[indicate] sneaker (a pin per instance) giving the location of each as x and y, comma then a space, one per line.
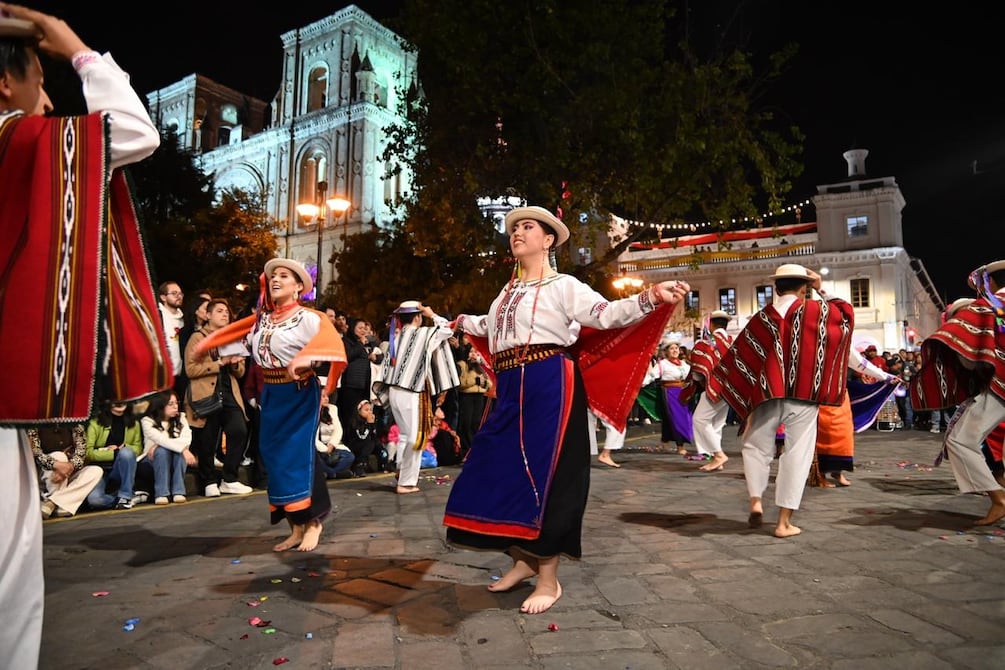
48, 509
179, 499
123, 503
62, 513
235, 487
140, 497
647, 421
161, 500
212, 491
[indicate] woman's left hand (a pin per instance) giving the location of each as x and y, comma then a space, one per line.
671, 291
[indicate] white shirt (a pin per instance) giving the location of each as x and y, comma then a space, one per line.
174, 321
543, 312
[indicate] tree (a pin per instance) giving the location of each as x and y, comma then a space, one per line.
597, 107
194, 235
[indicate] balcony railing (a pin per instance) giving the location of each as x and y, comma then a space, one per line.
718, 257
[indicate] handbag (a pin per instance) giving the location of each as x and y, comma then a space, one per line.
209, 405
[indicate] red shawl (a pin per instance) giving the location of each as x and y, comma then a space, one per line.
612, 363
77, 307
961, 359
803, 356
704, 357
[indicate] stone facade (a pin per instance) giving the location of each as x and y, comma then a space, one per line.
857, 238
343, 78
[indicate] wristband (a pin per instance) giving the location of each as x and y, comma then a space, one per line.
84, 58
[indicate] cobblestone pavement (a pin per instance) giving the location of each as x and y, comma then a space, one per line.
888, 572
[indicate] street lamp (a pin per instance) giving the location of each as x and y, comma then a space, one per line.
318, 212
627, 285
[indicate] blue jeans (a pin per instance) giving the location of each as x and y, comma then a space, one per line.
339, 460
119, 477
169, 473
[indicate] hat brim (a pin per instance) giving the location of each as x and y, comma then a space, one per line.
11, 27
296, 268
541, 215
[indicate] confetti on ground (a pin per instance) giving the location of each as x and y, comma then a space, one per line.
263, 624
244, 637
254, 621
130, 624
264, 598
295, 580
254, 603
553, 627
268, 631
359, 495
313, 574
309, 636
100, 594
235, 561
373, 534
276, 581
280, 660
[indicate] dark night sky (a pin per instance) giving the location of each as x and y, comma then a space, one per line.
918, 88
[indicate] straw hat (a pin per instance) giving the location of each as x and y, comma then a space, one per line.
541, 215
293, 266
791, 271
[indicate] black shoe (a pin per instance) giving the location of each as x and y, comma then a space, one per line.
359, 470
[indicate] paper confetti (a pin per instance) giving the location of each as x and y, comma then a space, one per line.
309, 636
268, 631
276, 581
280, 660
235, 561
553, 627
100, 594
254, 603
254, 621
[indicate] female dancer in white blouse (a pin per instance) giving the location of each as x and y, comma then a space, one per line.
675, 417
285, 339
524, 484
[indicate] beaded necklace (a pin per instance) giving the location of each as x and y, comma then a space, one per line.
277, 313
521, 359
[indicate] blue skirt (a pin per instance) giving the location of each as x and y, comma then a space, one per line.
298, 490
533, 497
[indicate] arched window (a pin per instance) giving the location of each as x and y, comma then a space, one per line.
317, 88
313, 169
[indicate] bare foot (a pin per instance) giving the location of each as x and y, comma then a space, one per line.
311, 536
541, 599
295, 538
407, 489
718, 460
520, 571
995, 513
607, 460
787, 530
840, 479
682, 451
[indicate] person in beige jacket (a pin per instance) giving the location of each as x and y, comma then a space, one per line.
210, 373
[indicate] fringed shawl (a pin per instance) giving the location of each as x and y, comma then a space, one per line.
802, 356
326, 345
78, 315
962, 358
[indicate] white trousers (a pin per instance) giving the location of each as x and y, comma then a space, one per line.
22, 584
405, 409
965, 437
800, 419
613, 439
707, 423
69, 495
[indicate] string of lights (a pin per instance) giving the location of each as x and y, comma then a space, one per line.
705, 225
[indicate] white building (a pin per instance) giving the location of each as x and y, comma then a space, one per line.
342, 81
857, 243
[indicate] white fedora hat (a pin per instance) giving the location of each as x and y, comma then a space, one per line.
791, 271
541, 215
720, 314
293, 266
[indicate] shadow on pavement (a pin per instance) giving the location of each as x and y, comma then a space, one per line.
913, 519
693, 525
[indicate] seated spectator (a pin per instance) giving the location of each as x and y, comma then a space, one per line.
166, 442
59, 451
114, 442
364, 440
336, 458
